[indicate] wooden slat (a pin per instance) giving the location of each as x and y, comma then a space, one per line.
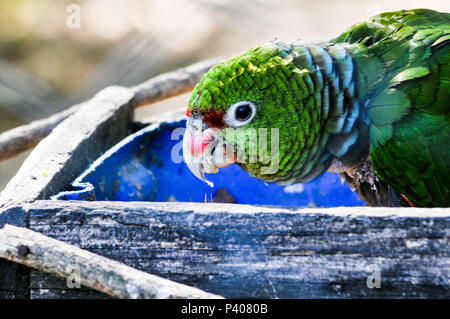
253, 251
61, 259
99, 123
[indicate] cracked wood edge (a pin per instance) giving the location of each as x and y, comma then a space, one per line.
52, 256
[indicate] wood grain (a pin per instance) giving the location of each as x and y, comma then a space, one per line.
52, 256
260, 252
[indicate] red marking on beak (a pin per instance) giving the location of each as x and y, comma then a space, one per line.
188, 113
198, 142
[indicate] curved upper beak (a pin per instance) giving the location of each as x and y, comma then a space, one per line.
204, 151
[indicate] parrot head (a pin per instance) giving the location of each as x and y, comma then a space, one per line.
256, 110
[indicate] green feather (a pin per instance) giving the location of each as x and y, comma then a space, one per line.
388, 107
410, 74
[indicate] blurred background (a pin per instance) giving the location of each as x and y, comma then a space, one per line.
56, 53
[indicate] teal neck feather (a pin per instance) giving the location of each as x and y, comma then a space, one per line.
333, 73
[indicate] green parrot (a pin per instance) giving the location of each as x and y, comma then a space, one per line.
372, 104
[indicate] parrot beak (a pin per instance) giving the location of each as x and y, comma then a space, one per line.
204, 151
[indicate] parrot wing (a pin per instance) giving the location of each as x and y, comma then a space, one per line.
408, 104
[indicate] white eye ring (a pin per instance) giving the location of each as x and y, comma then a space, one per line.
230, 117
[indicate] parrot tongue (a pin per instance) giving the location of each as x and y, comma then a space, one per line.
204, 152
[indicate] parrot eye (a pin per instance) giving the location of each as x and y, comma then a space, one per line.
243, 112
240, 113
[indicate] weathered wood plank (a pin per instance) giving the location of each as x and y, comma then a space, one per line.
45, 286
14, 280
66, 294
254, 251
80, 266
58, 159
79, 140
